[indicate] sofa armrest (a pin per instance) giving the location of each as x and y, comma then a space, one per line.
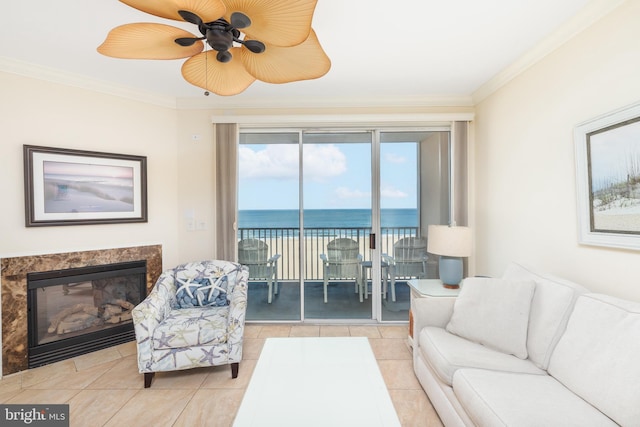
430, 312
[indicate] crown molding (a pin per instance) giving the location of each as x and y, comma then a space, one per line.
339, 120
52, 75
591, 13
316, 102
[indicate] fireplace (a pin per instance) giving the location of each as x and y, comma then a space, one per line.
80, 310
13, 284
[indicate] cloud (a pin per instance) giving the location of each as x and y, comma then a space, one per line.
275, 161
322, 161
394, 158
280, 161
390, 192
348, 194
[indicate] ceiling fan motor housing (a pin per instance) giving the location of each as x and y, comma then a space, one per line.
219, 36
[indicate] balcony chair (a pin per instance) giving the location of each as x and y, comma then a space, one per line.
193, 317
342, 261
254, 254
409, 260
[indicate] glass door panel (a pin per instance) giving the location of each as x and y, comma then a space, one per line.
336, 224
413, 171
269, 223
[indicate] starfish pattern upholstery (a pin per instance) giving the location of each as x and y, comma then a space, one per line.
171, 338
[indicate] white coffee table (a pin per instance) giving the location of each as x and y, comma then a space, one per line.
324, 382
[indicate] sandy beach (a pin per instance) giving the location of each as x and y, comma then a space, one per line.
288, 248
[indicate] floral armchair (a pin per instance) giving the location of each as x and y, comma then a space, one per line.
193, 317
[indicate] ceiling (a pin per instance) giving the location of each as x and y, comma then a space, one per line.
398, 53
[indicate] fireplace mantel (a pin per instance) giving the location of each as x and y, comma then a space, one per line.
14, 290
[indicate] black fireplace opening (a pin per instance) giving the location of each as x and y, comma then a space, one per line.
80, 310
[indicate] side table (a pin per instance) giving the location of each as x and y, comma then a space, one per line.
427, 288
367, 265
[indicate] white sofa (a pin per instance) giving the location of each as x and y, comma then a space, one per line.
529, 349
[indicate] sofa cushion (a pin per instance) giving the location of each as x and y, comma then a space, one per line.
192, 327
509, 399
598, 357
446, 353
551, 306
494, 312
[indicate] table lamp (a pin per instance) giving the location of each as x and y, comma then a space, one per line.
451, 243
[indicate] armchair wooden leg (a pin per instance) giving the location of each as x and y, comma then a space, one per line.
148, 377
234, 370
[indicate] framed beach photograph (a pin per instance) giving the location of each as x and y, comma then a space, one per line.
74, 187
608, 179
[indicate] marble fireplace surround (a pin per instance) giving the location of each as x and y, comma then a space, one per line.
14, 290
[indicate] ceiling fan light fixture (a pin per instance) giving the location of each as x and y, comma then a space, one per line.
190, 17
240, 20
254, 46
187, 41
224, 56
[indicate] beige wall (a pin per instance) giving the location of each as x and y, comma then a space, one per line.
41, 113
196, 189
525, 188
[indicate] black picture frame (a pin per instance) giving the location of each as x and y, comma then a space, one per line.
79, 187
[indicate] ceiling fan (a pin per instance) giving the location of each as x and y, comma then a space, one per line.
246, 40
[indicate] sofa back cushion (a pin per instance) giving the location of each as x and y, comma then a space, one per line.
495, 313
598, 357
551, 306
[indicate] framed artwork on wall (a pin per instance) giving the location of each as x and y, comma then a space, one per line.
608, 179
74, 187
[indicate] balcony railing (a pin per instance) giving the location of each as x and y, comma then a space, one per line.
286, 242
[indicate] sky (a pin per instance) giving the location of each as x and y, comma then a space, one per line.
336, 176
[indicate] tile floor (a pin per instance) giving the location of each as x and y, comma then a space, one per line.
105, 389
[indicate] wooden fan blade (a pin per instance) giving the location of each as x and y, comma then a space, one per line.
205, 71
208, 10
276, 22
288, 64
148, 41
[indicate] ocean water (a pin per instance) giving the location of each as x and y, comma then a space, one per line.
326, 218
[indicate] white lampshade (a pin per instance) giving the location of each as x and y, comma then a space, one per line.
449, 241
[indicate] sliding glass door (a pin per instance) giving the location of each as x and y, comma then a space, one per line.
338, 220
